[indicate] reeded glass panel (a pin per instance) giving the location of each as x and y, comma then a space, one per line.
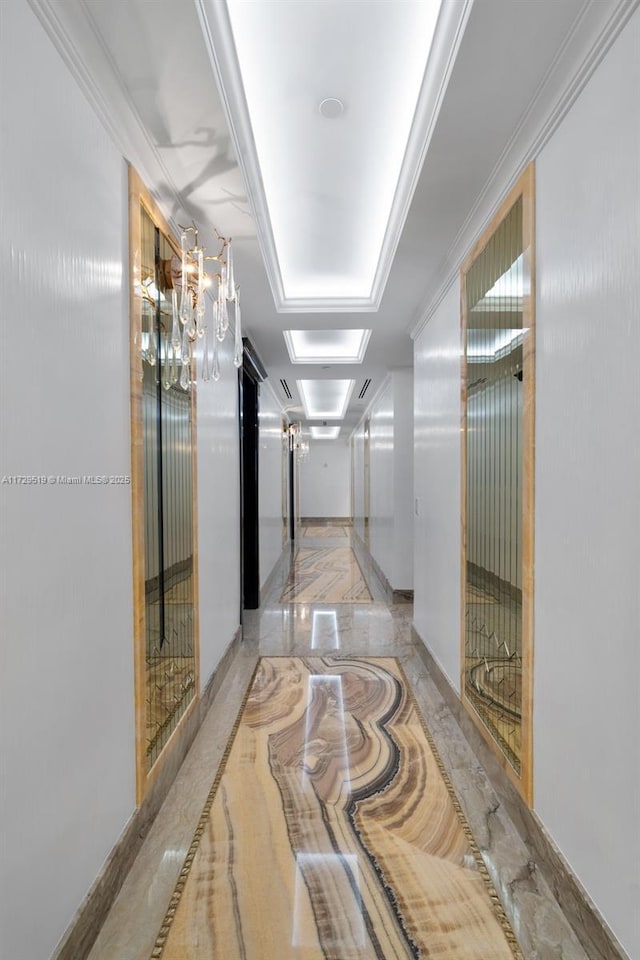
495, 289
168, 505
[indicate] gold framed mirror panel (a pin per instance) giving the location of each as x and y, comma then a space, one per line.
497, 508
164, 499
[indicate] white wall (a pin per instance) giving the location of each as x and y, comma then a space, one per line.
587, 600
66, 591
358, 480
381, 478
67, 726
391, 479
437, 485
587, 560
403, 511
270, 480
218, 512
325, 479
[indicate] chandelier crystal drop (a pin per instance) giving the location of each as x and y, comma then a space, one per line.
238, 348
216, 360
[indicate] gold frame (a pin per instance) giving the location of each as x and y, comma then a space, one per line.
525, 188
139, 197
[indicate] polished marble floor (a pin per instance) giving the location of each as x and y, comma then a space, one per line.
324, 633
332, 823
334, 530
326, 574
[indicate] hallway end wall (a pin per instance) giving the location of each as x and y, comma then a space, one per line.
325, 480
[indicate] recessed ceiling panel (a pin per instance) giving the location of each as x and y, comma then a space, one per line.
325, 398
326, 346
332, 105
324, 433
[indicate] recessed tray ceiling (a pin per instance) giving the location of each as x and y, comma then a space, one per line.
331, 146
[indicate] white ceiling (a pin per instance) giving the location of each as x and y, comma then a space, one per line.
330, 193
152, 61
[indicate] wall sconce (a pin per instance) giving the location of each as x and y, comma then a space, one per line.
188, 280
297, 445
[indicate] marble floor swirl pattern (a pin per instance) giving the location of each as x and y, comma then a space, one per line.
325, 530
325, 575
332, 832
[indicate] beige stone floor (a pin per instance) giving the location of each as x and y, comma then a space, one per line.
330, 530
325, 575
332, 833
308, 631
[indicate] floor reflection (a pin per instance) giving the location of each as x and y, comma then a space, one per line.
493, 660
325, 739
325, 574
332, 834
324, 630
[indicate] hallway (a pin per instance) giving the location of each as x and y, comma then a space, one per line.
472, 925
263, 286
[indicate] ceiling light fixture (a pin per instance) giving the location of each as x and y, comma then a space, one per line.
325, 398
326, 346
355, 179
324, 433
188, 281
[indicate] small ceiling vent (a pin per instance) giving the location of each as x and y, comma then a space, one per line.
365, 387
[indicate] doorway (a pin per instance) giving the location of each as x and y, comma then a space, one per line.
250, 376
250, 535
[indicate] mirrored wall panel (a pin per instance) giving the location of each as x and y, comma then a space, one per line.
164, 494
498, 476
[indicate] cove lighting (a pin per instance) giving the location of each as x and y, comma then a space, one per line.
324, 433
488, 346
326, 346
325, 398
331, 145
508, 290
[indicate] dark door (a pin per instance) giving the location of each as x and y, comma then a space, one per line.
249, 394
292, 500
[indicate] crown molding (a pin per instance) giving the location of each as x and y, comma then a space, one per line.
447, 39
214, 19
218, 34
75, 35
593, 33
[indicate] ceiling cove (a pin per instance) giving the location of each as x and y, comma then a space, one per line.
331, 132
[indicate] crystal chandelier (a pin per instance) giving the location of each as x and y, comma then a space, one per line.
188, 280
